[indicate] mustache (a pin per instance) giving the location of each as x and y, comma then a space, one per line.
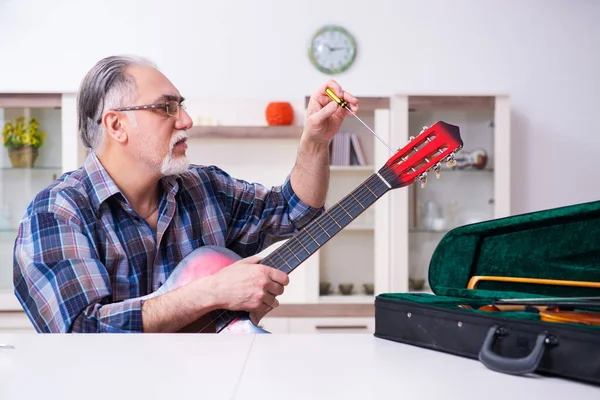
179, 136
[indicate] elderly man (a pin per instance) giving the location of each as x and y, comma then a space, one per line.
94, 244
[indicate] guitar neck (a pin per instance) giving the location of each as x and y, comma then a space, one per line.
320, 230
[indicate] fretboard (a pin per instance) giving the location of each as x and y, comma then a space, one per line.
320, 230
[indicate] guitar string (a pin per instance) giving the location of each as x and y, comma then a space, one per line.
363, 193
332, 218
294, 246
384, 171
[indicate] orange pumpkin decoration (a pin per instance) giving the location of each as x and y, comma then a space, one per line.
279, 113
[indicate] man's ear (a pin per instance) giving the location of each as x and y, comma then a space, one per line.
114, 126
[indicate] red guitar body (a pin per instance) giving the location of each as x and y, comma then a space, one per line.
410, 163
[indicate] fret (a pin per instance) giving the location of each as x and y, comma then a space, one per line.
333, 219
351, 194
308, 243
291, 250
287, 256
323, 229
311, 236
342, 207
280, 266
374, 195
295, 247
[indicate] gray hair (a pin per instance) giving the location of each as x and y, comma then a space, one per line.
106, 86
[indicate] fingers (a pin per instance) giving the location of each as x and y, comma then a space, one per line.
274, 288
320, 97
319, 94
270, 302
279, 276
319, 117
252, 260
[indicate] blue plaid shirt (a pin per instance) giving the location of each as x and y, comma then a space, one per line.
83, 257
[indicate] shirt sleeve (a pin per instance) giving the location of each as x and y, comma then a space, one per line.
258, 215
60, 282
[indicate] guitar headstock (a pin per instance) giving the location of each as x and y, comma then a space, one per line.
434, 145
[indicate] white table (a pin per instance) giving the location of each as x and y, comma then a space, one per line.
312, 366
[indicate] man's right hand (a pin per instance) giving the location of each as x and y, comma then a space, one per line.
250, 286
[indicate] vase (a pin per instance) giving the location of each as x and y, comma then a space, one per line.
279, 113
22, 156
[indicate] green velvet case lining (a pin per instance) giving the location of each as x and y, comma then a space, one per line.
561, 243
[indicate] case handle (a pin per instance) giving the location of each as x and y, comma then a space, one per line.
514, 366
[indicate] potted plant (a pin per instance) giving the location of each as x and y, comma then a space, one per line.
23, 138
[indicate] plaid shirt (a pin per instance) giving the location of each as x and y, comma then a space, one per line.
83, 257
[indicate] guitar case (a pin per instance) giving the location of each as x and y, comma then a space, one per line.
558, 244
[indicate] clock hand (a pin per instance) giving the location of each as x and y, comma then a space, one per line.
344, 105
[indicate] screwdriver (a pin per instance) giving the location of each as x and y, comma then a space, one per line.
344, 104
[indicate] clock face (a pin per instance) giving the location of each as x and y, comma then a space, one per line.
332, 49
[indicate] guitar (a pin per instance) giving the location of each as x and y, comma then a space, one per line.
433, 145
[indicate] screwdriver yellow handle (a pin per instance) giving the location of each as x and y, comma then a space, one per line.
335, 97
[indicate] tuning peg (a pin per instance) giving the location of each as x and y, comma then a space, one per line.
423, 178
424, 129
450, 161
436, 168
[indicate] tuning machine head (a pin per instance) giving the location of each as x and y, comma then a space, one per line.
436, 168
450, 161
423, 179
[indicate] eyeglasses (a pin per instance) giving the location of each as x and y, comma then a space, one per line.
170, 107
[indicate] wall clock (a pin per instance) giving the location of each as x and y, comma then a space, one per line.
332, 49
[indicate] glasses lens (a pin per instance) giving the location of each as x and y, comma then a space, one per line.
172, 107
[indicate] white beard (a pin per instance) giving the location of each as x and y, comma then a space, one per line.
175, 165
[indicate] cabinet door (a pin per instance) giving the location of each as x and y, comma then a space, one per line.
332, 325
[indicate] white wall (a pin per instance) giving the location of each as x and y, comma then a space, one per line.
543, 53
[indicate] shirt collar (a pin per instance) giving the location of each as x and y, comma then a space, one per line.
103, 187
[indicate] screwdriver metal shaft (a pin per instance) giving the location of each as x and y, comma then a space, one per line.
344, 105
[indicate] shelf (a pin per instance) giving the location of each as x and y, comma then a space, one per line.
30, 100
352, 298
30, 169
366, 103
430, 103
246, 132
